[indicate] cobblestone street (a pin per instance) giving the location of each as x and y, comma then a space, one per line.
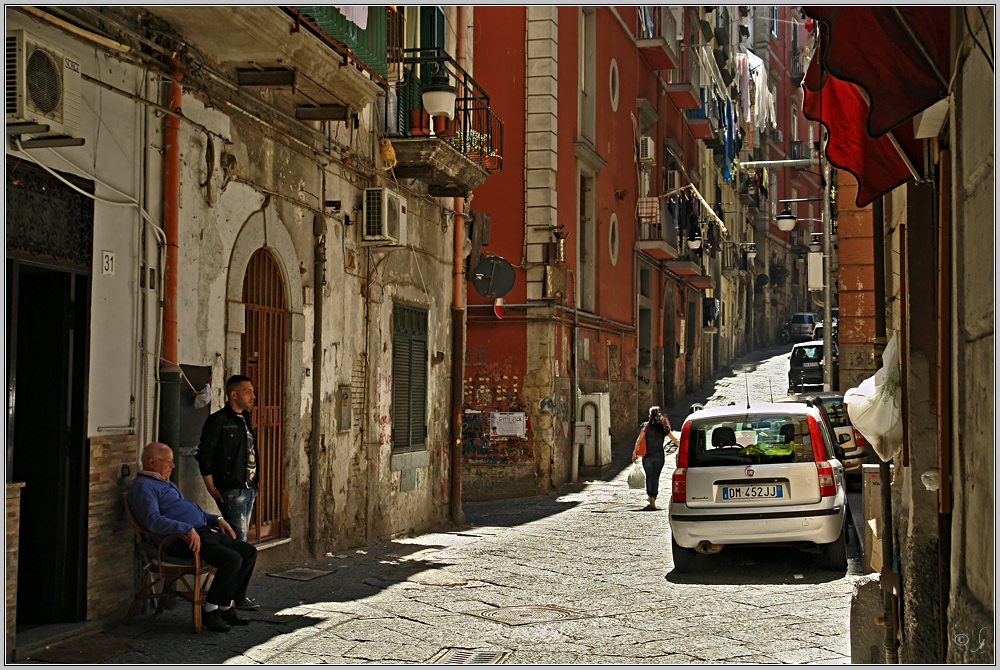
588, 572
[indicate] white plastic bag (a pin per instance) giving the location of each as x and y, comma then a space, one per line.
874, 405
637, 477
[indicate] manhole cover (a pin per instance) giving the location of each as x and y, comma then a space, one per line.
517, 616
301, 574
468, 657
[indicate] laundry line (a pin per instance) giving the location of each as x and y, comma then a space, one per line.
697, 194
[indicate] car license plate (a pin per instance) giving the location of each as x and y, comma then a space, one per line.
751, 492
810, 365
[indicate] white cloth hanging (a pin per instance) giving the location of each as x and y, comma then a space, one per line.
357, 14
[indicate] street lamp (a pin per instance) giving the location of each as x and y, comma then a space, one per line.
816, 244
786, 220
438, 96
750, 249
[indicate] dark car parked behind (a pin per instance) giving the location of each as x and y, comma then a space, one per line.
805, 370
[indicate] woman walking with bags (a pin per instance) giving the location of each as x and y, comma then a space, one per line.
649, 446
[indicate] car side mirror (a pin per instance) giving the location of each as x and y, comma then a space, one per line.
843, 438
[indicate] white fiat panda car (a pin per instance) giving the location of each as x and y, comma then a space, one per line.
769, 474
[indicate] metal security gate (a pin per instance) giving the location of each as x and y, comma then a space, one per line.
263, 361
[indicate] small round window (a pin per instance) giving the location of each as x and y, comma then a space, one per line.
613, 239
613, 83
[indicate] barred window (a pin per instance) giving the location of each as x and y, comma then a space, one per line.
409, 378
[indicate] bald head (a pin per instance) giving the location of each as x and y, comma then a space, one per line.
152, 451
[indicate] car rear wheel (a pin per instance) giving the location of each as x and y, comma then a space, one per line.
685, 560
834, 555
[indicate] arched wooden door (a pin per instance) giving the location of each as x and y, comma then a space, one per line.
263, 361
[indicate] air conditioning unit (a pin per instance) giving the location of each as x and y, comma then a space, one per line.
384, 217
777, 136
673, 180
43, 85
646, 149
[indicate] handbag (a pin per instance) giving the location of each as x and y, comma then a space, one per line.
641, 451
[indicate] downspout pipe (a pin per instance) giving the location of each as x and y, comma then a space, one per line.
170, 379
171, 209
458, 326
316, 437
889, 643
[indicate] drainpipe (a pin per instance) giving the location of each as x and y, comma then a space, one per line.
458, 328
170, 380
316, 438
889, 644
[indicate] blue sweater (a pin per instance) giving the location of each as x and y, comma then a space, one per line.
160, 508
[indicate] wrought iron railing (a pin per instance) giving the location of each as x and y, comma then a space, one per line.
656, 228
709, 109
796, 67
689, 70
657, 21
370, 48
476, 130
798, 149
733, 258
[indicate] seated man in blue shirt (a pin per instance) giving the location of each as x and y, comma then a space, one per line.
159, 507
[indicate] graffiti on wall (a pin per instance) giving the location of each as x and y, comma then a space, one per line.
493, 388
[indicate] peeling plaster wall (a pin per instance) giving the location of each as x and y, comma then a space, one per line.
973, 550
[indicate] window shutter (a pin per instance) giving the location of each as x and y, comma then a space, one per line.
409, 379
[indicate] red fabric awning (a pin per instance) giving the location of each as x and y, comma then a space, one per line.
875, 162
898, 57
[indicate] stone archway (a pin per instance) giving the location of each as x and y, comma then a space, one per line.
264, 230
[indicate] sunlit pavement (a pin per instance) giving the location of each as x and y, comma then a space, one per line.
582, 576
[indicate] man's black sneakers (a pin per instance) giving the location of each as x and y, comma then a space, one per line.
213, 621
233, 618
247, 603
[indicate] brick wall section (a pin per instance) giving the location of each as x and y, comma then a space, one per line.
13, 528
856, 284
110, 541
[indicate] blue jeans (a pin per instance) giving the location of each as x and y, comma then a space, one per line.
236, 506
653, 465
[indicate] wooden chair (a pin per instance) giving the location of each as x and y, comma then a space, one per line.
181, 577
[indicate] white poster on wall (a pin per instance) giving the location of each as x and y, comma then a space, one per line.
508, 424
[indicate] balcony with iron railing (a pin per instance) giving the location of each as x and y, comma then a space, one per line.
452, 156
796, 67
704, 120
684, 82
798, 149
655, 232
734, 259
657, 36
311, 60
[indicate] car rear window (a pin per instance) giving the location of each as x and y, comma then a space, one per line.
837, 412
799, 318
749, 439
802, 355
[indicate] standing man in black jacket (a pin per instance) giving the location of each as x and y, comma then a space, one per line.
227, 458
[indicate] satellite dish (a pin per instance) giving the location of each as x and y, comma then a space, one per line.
493, 278
762, 280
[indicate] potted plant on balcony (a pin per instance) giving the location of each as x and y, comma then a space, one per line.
477, 148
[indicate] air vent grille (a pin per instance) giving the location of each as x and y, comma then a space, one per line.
11, 56
44, 82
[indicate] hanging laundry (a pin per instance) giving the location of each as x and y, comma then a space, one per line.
729, 144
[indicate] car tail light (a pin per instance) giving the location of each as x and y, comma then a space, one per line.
679, 493
824, 470
859, 439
